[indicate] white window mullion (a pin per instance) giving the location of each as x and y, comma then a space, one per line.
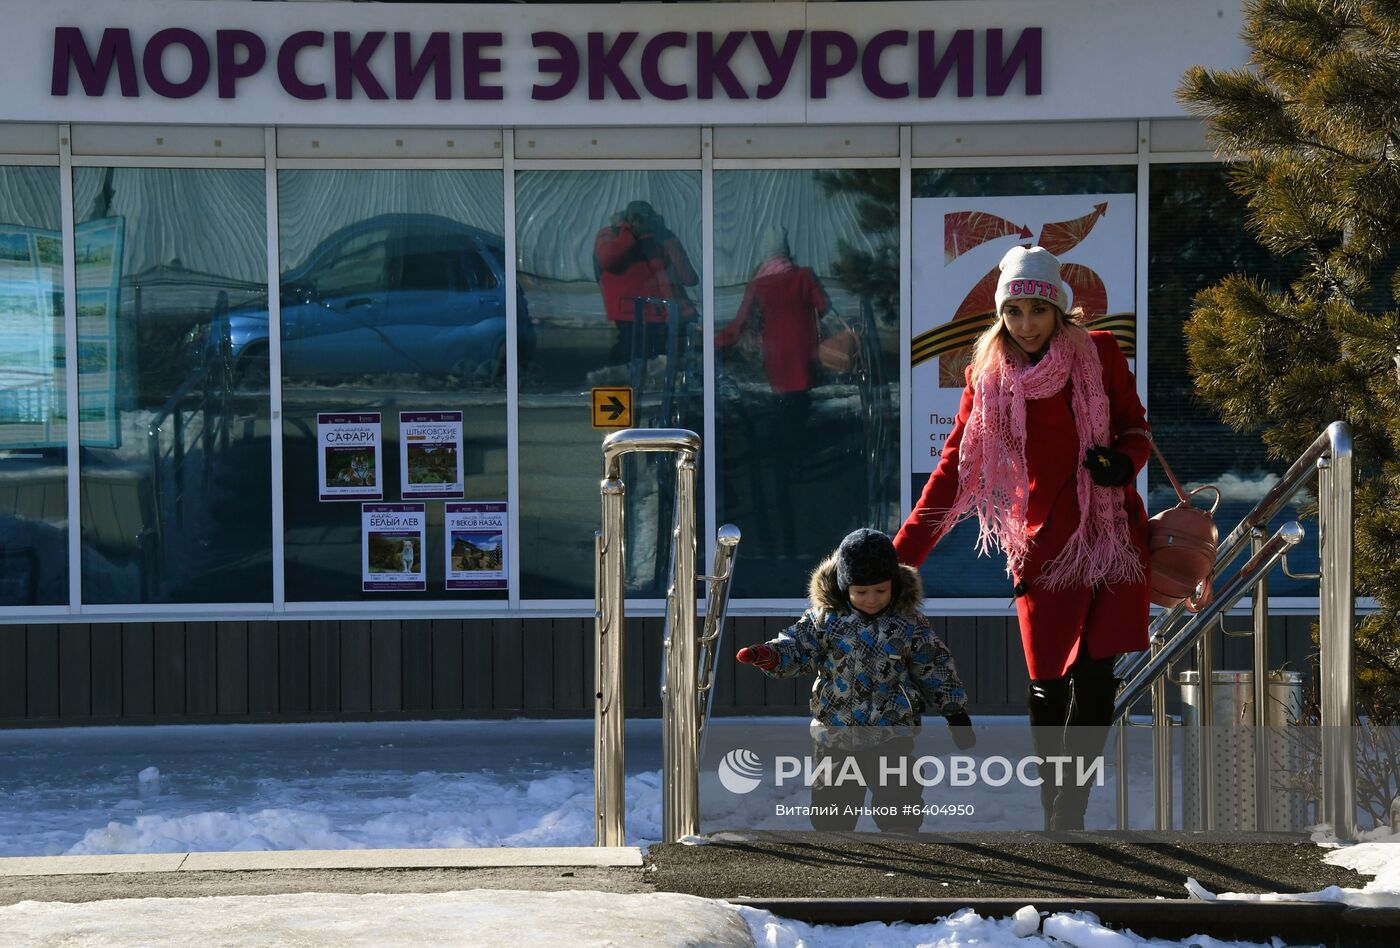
72, 425
274, 372
512, 376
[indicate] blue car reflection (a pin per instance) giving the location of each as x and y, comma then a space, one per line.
397, 293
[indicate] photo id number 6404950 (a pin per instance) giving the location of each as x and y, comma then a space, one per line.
941, 809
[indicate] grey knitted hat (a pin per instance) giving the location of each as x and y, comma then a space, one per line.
865, 558
1032, 273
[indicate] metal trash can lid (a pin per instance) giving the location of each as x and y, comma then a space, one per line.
1279, 676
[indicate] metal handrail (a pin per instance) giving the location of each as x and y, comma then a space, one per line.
1330, 456
681, 702
716, 606
1160, 658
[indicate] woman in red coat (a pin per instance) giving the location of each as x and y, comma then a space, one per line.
1049, 437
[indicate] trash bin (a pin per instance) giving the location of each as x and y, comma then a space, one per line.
1232, 737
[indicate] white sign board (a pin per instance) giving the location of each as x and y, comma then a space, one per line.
961, 241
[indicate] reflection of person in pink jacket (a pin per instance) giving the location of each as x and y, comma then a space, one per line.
638, 258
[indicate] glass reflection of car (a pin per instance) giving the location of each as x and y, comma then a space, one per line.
398, 293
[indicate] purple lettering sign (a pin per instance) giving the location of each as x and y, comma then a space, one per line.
625, 65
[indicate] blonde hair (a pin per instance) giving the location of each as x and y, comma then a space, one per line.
995, 344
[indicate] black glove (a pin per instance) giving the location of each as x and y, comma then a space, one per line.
1109, 468
960, 726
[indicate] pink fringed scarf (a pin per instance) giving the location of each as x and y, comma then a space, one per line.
994, 480
774, 265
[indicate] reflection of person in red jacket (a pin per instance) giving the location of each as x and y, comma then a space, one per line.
782, 305
1048, 439
639, 259
786, 300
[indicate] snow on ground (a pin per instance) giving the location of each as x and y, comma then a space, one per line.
509, 918
1377, 855
478, 917
426, 784
440, 784
381, 785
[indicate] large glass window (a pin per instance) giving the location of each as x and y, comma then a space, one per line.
33, 399
807, 372
1196, 237
393, 306
175, 459
609, 262
996, 209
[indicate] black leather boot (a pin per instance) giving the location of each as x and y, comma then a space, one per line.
1090, 711
1048, 702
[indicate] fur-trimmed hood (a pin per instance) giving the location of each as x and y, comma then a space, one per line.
906, 593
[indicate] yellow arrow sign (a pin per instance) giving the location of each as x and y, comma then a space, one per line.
612, 408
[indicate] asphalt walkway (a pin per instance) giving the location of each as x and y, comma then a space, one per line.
758, 865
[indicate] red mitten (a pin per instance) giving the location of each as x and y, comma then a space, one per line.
760, 656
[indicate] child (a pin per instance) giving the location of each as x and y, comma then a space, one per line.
879, 666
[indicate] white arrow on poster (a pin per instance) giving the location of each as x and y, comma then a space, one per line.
392, 547
430, 453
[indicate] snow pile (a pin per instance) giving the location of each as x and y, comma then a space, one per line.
477, 918
439, 811
1025, 929
1378, 857
510, 918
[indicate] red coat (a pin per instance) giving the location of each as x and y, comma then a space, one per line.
1107, 620
632, 267
788, 303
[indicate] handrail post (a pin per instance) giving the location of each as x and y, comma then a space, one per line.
680, 792
681, 774
716, 605
1337, 613
1263, 777
1205, 721
608, 773
1161, 747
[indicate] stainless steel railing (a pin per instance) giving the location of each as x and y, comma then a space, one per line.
1175, 631
689, 675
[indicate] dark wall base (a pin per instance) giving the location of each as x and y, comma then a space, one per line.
354, 670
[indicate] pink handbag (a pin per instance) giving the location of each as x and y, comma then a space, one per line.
1181, 543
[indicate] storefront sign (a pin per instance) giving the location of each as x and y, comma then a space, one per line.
625, 65
348, 456
392, 548
430, 453
954, 293
476, 545
638, 64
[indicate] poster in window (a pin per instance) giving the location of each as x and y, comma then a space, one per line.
430, 454
1093, 235
392, 548
31, 336
476, 545
348, 456
97, 263
33, 404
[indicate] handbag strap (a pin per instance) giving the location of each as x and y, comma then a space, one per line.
1176, 485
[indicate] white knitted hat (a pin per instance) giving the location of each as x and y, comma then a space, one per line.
1032, 273
774, 243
